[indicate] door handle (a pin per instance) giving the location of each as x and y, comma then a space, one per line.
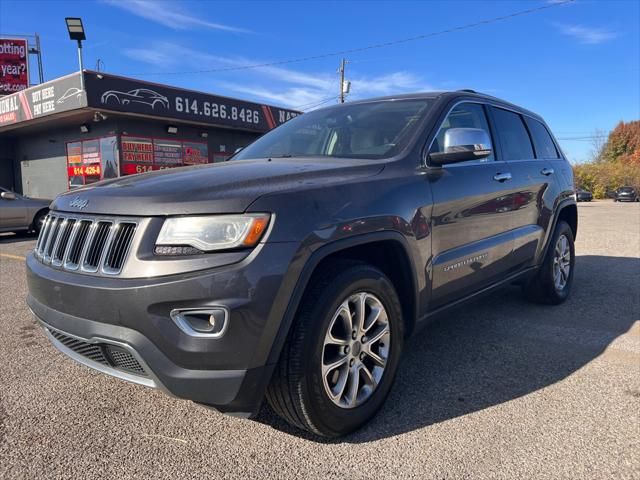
547, 171
502, 177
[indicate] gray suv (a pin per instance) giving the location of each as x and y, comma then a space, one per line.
295, 271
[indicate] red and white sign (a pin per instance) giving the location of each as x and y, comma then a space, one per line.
84, 170
14, 65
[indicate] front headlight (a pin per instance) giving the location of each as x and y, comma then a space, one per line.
216, 232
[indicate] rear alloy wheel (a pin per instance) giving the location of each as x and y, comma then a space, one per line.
342, 353
552, 282
561, 263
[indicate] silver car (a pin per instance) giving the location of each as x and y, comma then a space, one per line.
19, 213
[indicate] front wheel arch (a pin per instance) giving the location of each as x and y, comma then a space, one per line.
338, 250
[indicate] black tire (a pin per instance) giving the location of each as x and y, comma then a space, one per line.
542, 287
38, 221
297, 392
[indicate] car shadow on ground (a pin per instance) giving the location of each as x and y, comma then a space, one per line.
499, 348
17, 237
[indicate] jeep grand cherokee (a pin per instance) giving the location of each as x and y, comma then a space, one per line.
295, 271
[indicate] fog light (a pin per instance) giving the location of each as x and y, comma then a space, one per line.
210, 322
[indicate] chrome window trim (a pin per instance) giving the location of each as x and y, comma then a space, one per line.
491, 103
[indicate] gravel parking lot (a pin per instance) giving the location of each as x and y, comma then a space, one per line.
499, 389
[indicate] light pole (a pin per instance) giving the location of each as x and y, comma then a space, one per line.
76, 32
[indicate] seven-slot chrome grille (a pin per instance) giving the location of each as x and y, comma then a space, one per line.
85, 244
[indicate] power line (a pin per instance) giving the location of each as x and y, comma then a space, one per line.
575, 139
589, 137
322, 100
368, 47
320, 103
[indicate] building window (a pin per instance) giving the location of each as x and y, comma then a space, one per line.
89, 161
143, 154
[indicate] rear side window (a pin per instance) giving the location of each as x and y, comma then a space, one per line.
514, 138
545, 148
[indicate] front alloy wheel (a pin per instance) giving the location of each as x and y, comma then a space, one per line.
355, 351
342, 353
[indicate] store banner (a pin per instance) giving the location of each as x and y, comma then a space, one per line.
138, 150
84, 170
46, 99
195, 153
167, 152
84, 158
91, 151
137, 155
14, 65
109, 92
74, 153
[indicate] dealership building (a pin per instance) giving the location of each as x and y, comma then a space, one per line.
89, 126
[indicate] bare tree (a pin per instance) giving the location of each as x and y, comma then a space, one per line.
598, 143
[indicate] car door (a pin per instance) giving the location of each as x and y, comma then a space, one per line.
13, 212
524, 148
472, 238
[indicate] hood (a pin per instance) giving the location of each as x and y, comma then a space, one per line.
228, 187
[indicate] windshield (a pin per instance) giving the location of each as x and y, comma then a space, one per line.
368, 130
626, 189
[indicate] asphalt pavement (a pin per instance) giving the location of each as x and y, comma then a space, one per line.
498, 389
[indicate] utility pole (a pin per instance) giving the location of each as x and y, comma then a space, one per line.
345, 86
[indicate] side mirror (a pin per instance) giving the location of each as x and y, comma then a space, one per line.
8, 196
461, 145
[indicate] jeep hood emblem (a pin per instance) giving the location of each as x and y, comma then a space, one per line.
79, 203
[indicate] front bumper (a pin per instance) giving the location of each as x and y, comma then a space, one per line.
131, 318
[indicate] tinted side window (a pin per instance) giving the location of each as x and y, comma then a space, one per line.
514, 138
545, 148
465, 115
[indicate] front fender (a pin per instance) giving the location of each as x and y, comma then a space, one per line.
307, 261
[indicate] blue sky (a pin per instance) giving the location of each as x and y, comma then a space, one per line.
578, 65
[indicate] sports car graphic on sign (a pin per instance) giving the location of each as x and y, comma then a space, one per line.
70, 93
139, 95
